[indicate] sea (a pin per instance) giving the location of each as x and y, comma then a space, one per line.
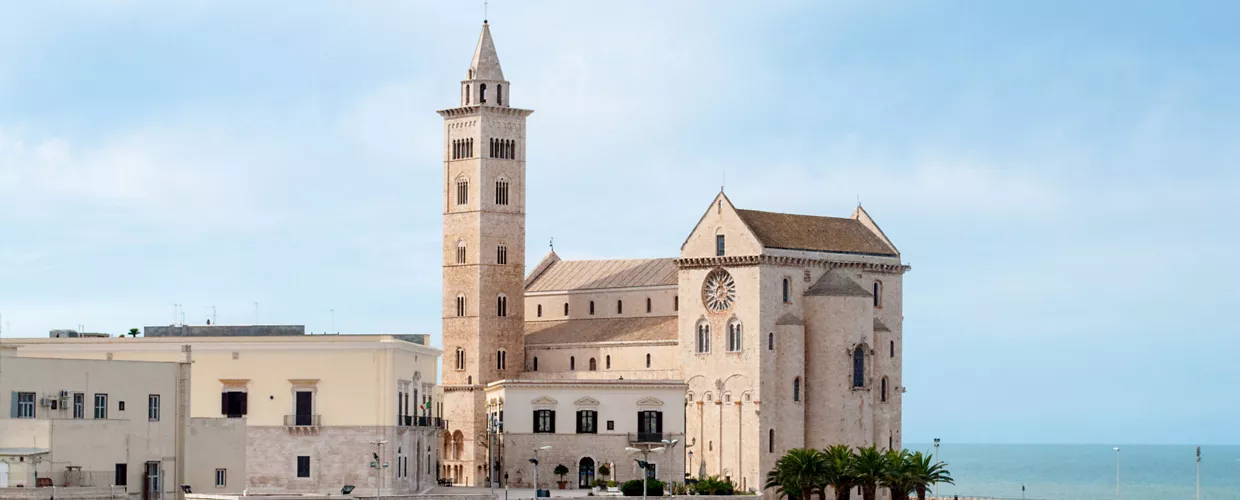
1083, 471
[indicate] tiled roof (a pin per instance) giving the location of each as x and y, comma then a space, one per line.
594, 274
810, 232
600, 330
835, 284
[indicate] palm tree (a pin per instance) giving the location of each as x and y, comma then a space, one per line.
839, 475
797, 473
870, 467
898, 478
923, 471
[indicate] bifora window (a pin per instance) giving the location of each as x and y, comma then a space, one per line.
734, 336
703, 338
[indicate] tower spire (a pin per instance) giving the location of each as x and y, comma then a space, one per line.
485, 64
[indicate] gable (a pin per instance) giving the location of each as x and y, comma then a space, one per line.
720, 219
586, 401
544, 401
649, 401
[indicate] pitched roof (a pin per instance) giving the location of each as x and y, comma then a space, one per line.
485, 64
811, 232
595, 274
600, 330
834, 283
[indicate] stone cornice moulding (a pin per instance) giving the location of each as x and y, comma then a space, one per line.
131, 345
649, 401
235, 383
754, 260
586, 401
625, 343
304, 382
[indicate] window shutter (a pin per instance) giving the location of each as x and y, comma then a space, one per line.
13, 406
579, 416
641, 423
553, 421
536, 429
658, 415
245, 396
224, 403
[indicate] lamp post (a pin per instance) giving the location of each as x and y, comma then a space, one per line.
379, 468
936, 459
644, 463
1198, 473
1116, 473
690, 463
670, 446
535, 462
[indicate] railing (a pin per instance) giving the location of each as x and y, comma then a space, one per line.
301, 420
414, 421
646, 437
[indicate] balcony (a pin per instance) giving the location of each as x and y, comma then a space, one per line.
646, 438
413, 421
305, 424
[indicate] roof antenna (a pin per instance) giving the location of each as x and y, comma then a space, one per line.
858, 199
552, 244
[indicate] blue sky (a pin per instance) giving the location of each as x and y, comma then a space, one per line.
1061, 175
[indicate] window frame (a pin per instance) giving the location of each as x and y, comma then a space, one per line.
303, 466
26, 409
720, 245
101, 406
587, 421
544, 421
221, 478
152, 407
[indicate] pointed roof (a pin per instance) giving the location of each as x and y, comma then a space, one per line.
834, 283
485, 65
815, 233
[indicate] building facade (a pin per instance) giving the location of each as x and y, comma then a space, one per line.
92, 423
797, 315
314, 410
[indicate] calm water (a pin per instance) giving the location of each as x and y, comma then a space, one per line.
1147, 472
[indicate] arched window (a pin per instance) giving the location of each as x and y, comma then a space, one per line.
647, 360
460, 358
460, 252
858, 367
703, 338
501, 306
676, 303
593, 365
462, 192
770, 341
770, 440
648, 305
512, 150
469, 380
591, 308
878, 294
491, 148
566, 308
883, 391
734, 336
572, 362
501, 254
460, 306
540, 310
501, 192
892, 346
482, 93
796, 389
499, 94
787, 291
535, 363
501, 359
719, 246
619, 307
608, 361
466, 94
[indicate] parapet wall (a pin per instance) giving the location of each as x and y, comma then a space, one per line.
224, 331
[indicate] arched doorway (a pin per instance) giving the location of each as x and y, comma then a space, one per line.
585, 473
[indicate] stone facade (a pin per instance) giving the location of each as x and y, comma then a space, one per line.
340, 456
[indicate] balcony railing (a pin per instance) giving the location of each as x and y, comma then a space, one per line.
646, 437
301, 420
414, 421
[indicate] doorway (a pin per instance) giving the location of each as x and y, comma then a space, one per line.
305, 408
150, 487
4, 475
585, 473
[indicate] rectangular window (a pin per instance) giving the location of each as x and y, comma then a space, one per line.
462, 193
120, 406
544, 421
121, 478
221, 478
101, 406
25, 405
651, 471
611, 425
79, 405
650, 425
152, 407
587, 422
719, 245
233, 404
303, 466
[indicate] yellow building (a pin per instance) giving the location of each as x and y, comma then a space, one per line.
316, 408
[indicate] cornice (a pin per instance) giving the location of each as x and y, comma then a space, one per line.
774, 260
138, 345
476, 110
578, 345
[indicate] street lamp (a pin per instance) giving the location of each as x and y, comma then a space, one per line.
535, 462
644, 463
936, 459
690, 463
1116, 473
379, 468
670, 446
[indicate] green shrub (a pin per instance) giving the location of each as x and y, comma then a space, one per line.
613, 483
713, 485
633, 488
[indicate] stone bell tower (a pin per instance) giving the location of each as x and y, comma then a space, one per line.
483, 256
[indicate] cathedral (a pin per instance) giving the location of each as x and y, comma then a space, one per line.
769, 331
